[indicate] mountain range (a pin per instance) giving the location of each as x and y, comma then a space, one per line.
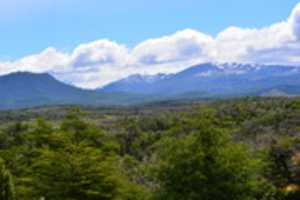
204, 81
213, 80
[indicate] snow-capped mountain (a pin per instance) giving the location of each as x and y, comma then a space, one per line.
136, 83
213, 80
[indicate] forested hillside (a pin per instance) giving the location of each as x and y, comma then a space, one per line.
245, 149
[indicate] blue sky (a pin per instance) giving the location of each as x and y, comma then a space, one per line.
92, 43
29, 26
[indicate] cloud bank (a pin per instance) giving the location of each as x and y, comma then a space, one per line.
100, 62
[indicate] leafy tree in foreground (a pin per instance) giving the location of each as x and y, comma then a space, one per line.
6, 184
206, 164
81, 165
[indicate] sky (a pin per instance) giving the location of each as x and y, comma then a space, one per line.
95, 42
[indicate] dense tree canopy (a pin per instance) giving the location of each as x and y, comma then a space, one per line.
234, 150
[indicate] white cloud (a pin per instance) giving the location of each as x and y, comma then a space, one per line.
102, 52
49, 60
100, 62
294, 20
181, 46
235, 44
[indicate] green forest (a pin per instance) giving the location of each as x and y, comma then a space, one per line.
243, 149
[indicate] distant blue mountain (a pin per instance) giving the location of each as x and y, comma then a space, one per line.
24, 89
141, 84
214, 80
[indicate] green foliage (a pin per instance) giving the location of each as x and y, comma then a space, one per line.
7, 190
76, 172
206, 165
279, 157
239, 149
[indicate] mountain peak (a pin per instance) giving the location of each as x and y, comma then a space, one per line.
19, 73
26, 75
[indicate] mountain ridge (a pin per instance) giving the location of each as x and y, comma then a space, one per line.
204, 81
217, 78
